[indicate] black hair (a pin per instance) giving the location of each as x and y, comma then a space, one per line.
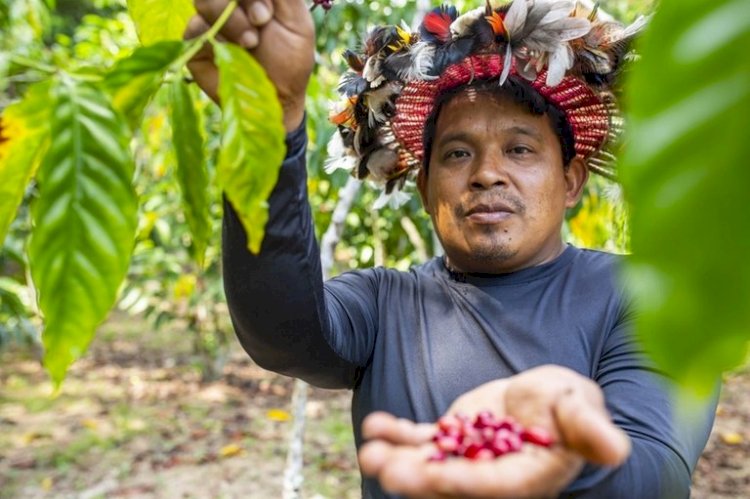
519, 92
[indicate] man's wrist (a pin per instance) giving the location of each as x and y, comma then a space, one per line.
293, 116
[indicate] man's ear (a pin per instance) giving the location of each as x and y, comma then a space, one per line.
576, 176
422, 187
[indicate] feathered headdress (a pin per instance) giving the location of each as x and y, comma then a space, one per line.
567, 54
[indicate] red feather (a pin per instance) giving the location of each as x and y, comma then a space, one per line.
439, 24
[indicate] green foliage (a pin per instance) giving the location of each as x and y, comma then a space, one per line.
24, 136
85, 220
253, 140
134, 80
192, 175
158, 20
686, 178
175, 140
85, 208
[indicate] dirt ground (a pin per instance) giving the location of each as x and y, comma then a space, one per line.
134, 420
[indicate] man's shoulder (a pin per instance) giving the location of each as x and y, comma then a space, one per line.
597, 269
429, 269
596, 261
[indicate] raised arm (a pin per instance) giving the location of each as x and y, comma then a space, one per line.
283, 316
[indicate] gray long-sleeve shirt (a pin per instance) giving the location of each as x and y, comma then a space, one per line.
411, 342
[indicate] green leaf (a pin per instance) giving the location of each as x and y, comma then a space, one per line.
84, 221
253, 146
192, 175
134, 80
158, 20
24, 136
686, 176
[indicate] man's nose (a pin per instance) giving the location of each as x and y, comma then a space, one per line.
490, 171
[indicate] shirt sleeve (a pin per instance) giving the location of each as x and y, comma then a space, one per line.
284, 317
666, 443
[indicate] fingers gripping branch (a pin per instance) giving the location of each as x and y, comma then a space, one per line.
279, 34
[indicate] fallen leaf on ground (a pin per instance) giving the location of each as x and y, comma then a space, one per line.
89, 423
47, 483
732, 438
231, 450
278, 415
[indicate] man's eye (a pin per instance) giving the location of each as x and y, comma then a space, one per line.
520, 150
457, 154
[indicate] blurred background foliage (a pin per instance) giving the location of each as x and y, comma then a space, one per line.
164, 282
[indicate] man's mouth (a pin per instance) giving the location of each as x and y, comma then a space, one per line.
490, 213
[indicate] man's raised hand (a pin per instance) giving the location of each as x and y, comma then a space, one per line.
278, 33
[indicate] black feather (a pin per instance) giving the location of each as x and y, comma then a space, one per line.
352, 84
395, 183
362, 171
396, 65
347, 136
354, 60
451, 53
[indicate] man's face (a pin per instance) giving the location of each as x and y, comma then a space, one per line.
496, 188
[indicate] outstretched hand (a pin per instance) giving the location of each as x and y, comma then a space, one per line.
278, 33
568, 405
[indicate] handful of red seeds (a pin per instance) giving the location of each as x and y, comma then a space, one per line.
484, 438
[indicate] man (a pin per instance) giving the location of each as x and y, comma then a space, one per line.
512, 319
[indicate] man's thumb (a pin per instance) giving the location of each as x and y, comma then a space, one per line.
587, 429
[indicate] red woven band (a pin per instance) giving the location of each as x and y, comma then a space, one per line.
587, 115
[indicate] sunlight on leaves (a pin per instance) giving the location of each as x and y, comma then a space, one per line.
253, 138
159, 20
24, 136
85, 221
192, 175
134, 80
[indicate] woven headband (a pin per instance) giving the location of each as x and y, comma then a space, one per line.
566, 54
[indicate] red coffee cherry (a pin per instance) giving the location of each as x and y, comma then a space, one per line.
485, 437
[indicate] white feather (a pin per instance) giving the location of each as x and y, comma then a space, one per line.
558, 10
515, 18
376, 100
635, 27
507, 64
371, 72
570, 28
339, 157
559, 62
347, 163
422, 57
395, 199
462, 22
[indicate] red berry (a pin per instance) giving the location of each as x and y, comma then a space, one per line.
515, 442
485, 437
447, 423
472, 450
488, 433
446, 443
485, 419
500, 446
537, 436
